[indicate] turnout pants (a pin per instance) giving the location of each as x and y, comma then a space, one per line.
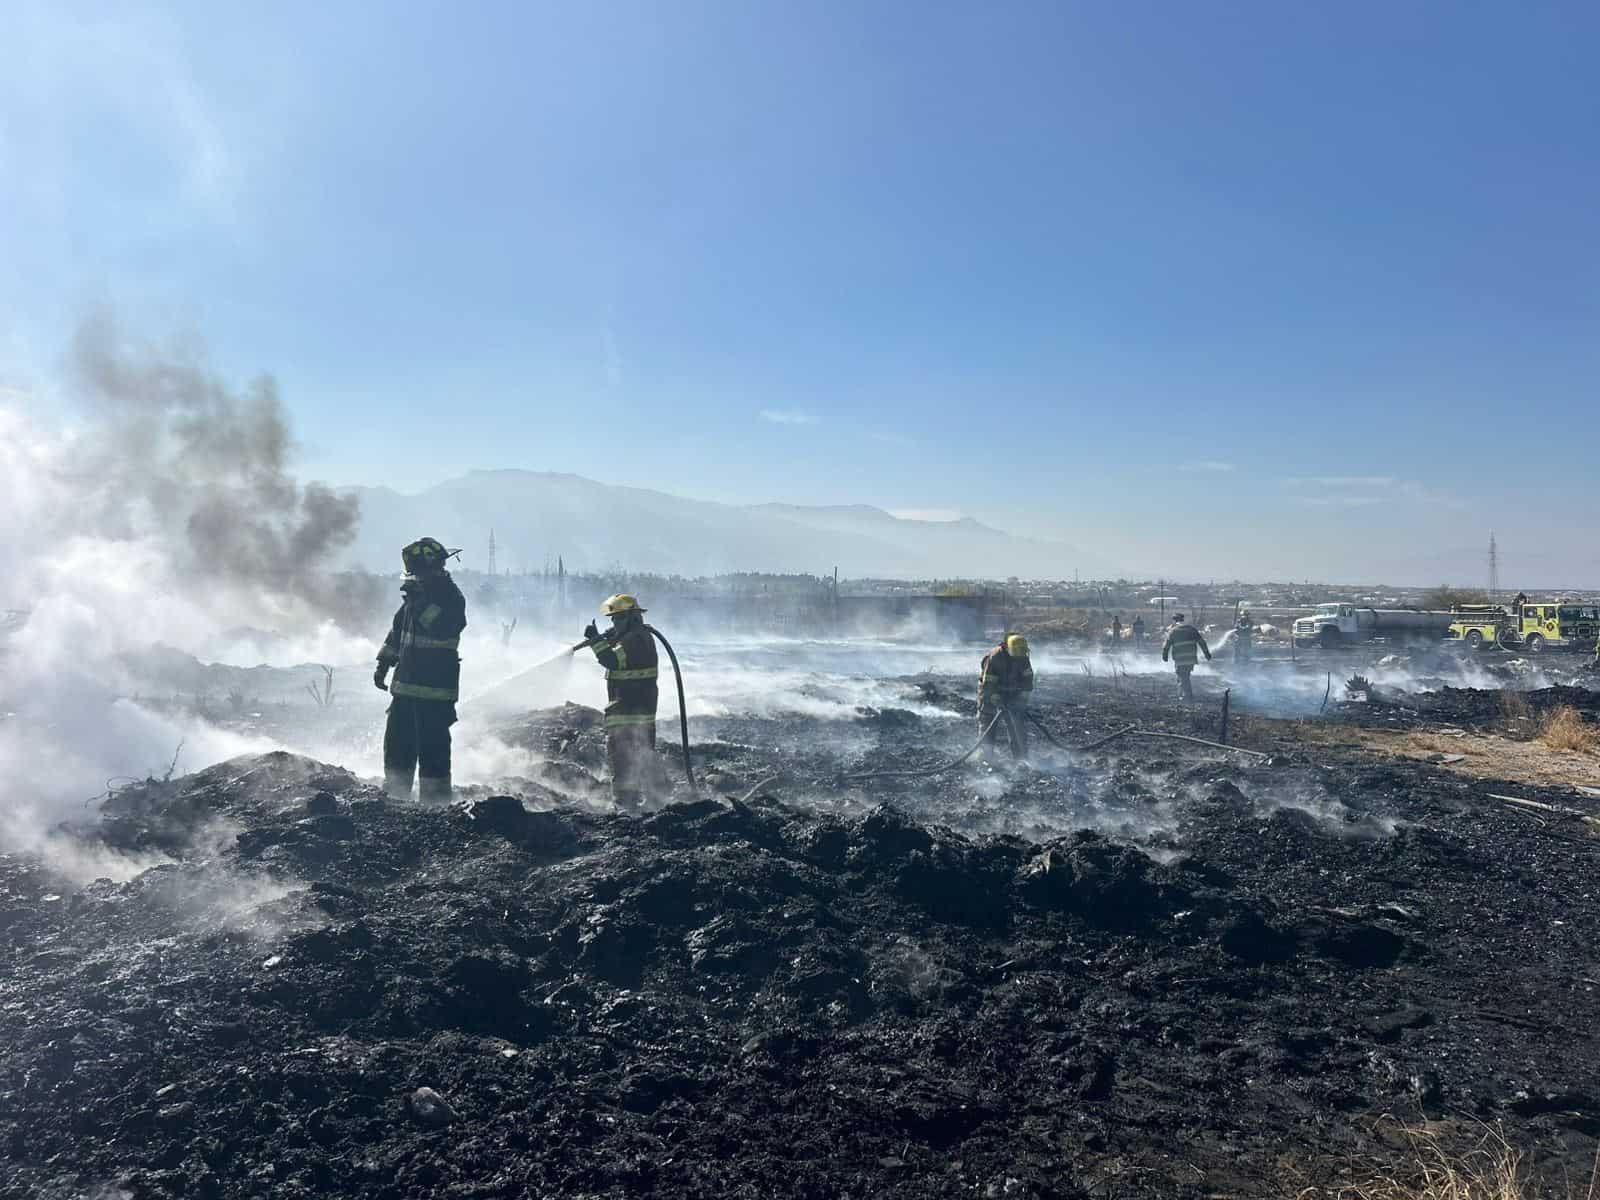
631, 755
416, 741
1185, 687
1012, 725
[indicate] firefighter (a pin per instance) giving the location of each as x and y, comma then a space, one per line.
422, 651
1184, 645
1004, 680
1116, 632
1138, 632
628, 653
1243, 632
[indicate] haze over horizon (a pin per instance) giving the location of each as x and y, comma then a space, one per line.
1255, 292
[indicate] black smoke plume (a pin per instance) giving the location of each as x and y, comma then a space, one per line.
174, 453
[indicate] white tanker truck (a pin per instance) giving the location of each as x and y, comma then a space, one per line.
1334, 625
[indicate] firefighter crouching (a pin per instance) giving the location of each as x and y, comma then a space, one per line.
628, 653
1004, 680
1184, 645
422, 649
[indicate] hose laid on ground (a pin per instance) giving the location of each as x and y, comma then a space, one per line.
683, 707
1048, 736
745, 799
1134, 731
949, 766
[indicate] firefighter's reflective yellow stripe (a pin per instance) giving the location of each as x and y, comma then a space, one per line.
417, 692
620, 720
1186, 652
430, 614
636, 673
427, 643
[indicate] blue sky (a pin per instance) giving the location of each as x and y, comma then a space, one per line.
1268, 289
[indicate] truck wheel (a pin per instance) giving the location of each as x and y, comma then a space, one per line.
1534, 644
1475, 639
1329, 638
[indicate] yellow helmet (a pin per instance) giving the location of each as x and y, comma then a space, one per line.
1017, 646
619, 604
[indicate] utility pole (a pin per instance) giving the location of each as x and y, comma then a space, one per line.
1494, 568
491, 552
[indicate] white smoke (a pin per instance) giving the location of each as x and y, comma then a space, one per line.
167, 515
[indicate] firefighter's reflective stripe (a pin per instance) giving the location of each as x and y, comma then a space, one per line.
1185, 651
991, 682
636, 673
417, 692
428, 643
430, 614
602, 646
621, 720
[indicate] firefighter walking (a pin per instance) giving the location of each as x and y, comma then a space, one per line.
1184, 645
628, 653
423, 651
1005, 678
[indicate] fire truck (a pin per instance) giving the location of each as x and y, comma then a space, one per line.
1533, 627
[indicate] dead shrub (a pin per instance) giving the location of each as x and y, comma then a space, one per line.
1567, 729
1514, 705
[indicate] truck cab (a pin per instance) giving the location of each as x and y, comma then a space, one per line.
1557, 624
1331, 625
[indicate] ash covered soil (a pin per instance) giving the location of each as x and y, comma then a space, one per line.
1152, 969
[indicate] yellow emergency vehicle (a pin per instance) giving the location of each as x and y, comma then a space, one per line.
1555, 625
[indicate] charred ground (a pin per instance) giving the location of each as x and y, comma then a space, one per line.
1150, 970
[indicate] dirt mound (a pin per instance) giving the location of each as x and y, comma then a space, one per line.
331, 994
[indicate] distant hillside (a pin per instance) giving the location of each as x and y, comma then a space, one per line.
538, 515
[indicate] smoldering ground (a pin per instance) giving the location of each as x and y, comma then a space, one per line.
796, 997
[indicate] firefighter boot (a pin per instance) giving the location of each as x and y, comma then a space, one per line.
397, 784
434, 789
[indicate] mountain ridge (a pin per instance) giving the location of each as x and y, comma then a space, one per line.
539, 515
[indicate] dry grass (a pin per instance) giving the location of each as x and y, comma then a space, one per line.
1491, 1169
1487, 755
1566, 729
1514, 705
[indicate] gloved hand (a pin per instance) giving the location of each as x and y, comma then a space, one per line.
591, 633
380, 677
1208, 656
410, 587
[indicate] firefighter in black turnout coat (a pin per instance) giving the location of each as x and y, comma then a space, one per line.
628, 653
422, 649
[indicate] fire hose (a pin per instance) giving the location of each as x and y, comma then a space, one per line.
683, 708
949, 766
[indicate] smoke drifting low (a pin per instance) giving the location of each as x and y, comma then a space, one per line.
167, 513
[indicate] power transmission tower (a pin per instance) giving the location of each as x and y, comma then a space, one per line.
1494, 568
491, 553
